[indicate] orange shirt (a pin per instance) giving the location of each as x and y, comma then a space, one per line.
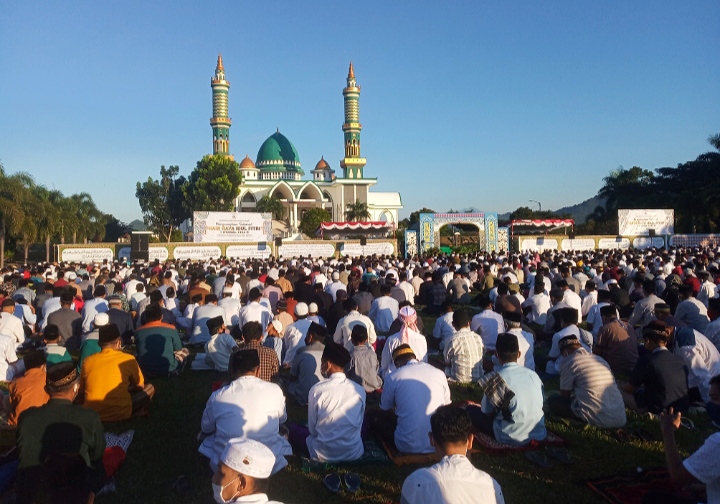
27, 391
106, 378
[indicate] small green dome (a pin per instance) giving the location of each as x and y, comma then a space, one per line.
277, 153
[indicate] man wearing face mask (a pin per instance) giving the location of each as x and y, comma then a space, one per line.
40, 435
243, 472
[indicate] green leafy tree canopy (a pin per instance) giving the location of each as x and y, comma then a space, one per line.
312, 219
213, 185
273, 205
162, 201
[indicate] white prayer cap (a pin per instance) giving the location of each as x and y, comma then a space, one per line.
248, 457
227, 290
101, 319
301, 309
313, 308
277, 325
72, 276
336, 275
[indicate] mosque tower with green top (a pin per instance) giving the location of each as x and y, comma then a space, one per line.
353, 163
220, 122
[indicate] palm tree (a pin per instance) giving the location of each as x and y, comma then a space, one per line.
90, 222
49, 216
13, 189
357, 212
273, 205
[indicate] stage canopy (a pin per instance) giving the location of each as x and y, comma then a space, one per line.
348, 228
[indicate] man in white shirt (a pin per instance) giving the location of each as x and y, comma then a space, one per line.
644, 310
708, 290
701, 466
568, 324
248, 407
334, 286
344, 328
454, 479
10, 325
254, 311
231, 307
295, 333
96, 305
444, 329
691, 311
221, 345
415, 390
336, 408
384, 310
488, 324
526, 340
536, 306
571, 298
407, 287
201, 315
408, 335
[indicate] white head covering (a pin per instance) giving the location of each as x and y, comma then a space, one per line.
301, 309
408, 316
101, 319
248, 457
313, 308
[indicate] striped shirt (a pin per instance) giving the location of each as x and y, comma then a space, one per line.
464, 354
597, 398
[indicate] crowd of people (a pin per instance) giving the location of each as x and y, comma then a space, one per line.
623, 330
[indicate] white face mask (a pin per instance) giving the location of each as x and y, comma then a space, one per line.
218, 491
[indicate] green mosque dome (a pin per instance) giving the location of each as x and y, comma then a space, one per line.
278, 154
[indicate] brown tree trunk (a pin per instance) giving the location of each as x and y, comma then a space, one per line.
47, 248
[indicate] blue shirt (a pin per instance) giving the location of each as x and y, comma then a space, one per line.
526, 408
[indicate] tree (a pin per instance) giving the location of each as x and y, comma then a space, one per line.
312, 219
162, 202
115, 228
90, 223
271, 204
715, 140
213, 185
13, 189
357, 212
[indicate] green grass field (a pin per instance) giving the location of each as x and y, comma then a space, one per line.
165, 448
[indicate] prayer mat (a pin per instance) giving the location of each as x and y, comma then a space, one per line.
483, 442
630, 489
199, 364
374, 454
116, 446
400, 459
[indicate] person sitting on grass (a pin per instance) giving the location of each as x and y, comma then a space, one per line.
414, 390
247, 407
701, 466
221, 344
454, 479
336, 408
90, 343
243, 472
252, 333
111, 381
306, 366
511, 410
444, 329
27, 391
55, 353
588, 392
159, 349
364, 365
463, 351
659, 380
408, 334
41, 435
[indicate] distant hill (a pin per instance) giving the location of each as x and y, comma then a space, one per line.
581, 211
138, 225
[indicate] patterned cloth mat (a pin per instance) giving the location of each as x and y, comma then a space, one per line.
400, 459
374, 454
116, 446
483, 442
631, 489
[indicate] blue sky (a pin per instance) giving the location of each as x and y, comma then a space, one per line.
464, 103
